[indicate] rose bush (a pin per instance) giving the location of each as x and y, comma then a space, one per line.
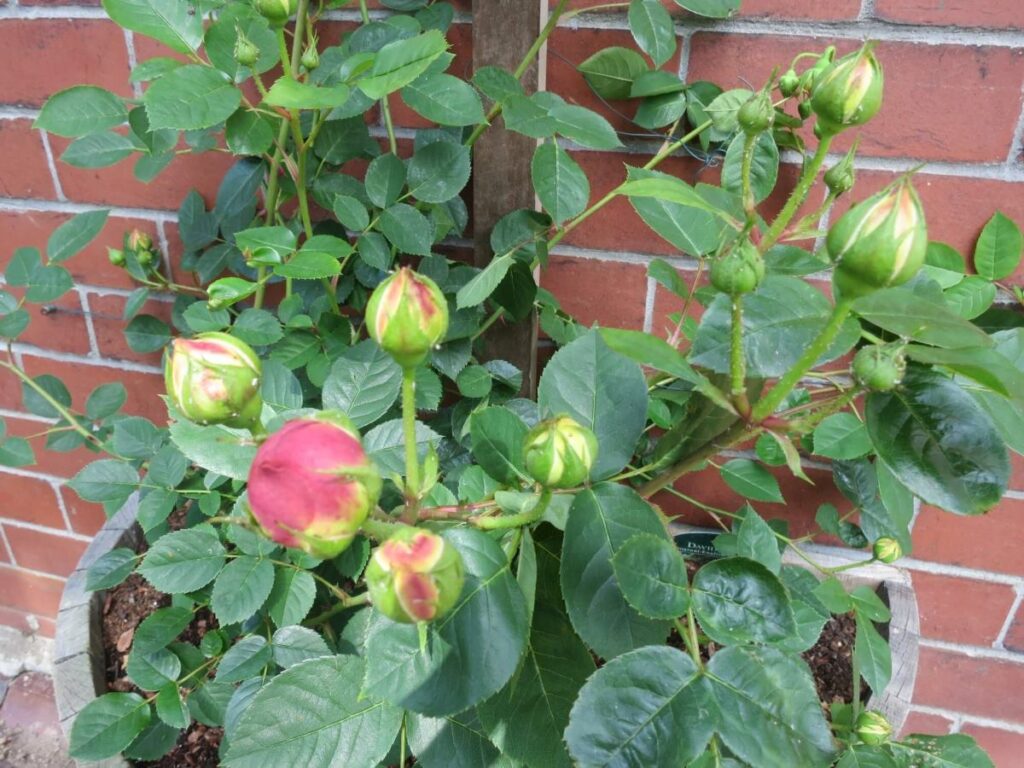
407, 557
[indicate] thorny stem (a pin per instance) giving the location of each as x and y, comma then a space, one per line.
749, 144
797, 197
412, 462
381, 529
519, 520
342, 605
737, 363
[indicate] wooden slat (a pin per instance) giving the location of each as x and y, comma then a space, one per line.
503, 31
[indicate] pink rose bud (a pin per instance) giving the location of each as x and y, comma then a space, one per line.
214, 379
312, 485
408, 316
414, 576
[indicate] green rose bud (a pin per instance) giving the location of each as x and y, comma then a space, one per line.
117, 257
246, 52
840, 177
880, 242
414, 576
408, 316
849, 92
880, 367
873, 728
137, 240
804, 109
739, 271
789, 83
559, 453
310, 56
214, 379
145, 258
756, 114
887, 550
276, 12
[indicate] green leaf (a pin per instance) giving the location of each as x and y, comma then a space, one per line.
35, 403
332, 727
764, 167
842, 436
998, 251
184, 561
755, 540
173, 22
527, 718
457, 741
560, 183
248, 133
953, 751
971, 296
137, 438
584, 126
601, 521
751, 480
105, 400
257, 327
291, 94
407, 229
497, 437
110, 569
611, 71
715, 9
386, 445
492, 606
438, 171
939, 443
108, 724
81, 110
627, 710
385, 178
986, 366
160, 628
484, 282
690, 229
768, 711
872, 655
98, 150
146, 333
651, 573
171, 708
291, 597
107, 481
363, 383
400, 62
73, 235
244, 659
351, 213
528, 117
604, 392
653, 29
16, 452
219, 449
650, 350
669, 189
808, 611
241, 589
904, 313
293, 645
444, 99
270, 244
319, 257
152, 671
780, 319
190, 98
740, 601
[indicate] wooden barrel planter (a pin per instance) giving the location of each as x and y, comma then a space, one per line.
79, 665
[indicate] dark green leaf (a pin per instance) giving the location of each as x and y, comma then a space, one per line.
956, 750
611, 71
244, 659
438, 172
241, 589
740, 601
653, 29
146, 333
110, 569
73, 235
457, 741
293, 645
652, 576
444, 99
175, 24
872, 655
81, 110
291, 597
189, 98
560, 183
904, 313
764, 166
184, 561
751, 480
98, 150
407, 229
997, 253
108, 724
363, 383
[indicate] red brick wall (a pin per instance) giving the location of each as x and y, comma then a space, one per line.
955, 70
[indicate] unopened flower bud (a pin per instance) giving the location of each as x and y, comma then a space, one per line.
246, 52
840, 177
137, 241
872, 728
214, 378
408, 316
312, 484
849, 92
804, 109
879, 367
789, 83
276, 12
739, 271
117, 257
887, 550
559, 452
145, 258
756, 114
415, 576
311, 57
880, 242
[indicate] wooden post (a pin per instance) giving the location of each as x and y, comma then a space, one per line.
503, 31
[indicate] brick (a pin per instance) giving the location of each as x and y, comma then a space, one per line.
117, 184
974, 686
58, 325
961, 610
107, 313
988, 542
85, 517
30, 592
23, 168
43, 56
47, 552
29, 703
919, 722
821, 10
58, 463
1004, 747
91, 266
995, 14
30, 500
585, 289
1016, 471
27, 623
923, 116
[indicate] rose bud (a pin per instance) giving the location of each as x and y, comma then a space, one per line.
137, 241
246, 52
414, 576
789, 83
880, 242
214, 379
275, 11
559, 453
872, 728
738, 271
840, 177
408, 316
756, 114
887, 550
849, 92
117, 257
312, 484
879, 368
311, 56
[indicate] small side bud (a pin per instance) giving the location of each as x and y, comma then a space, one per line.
246, 52
887, 550
739, 271
879, 367
117, 257
756, 114
311, 56
872, 728
841, 177
789, 83
559, 453
137, 240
